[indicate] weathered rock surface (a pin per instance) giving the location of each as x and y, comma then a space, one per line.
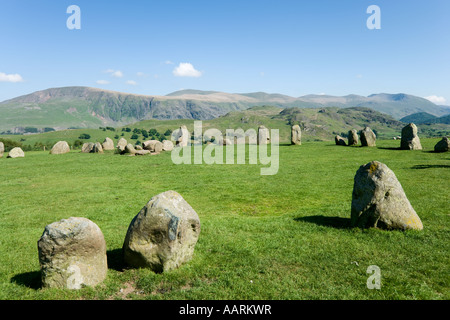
16, 153
182, 137
378, 200
339, 141
121, 145
410, 138
108, 144
296, 135
61, 147
167, 145
72, 253
162, 236
263, 135
87, 147
443, 145
91, 147
368, 137
154, 146
353, 138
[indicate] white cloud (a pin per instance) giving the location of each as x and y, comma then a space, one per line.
10, 77
436, 99
140, 74
102, 82
114, 73
186, 70
359, 76
262, 74
168, 62
132, 82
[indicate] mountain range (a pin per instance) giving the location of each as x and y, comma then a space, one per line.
85, 107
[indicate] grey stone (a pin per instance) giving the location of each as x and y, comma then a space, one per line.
339, 141
353, 138
162, 236
16, 153
61, 147
378, 200
263, 135
443, 145
108, 144
296, 135
182, 136
368, 137
154, 146
72, 254
121, 145
167, 145
410, 139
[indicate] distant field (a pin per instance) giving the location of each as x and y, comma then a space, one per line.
285, 236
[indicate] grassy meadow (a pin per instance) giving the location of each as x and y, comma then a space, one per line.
283, 237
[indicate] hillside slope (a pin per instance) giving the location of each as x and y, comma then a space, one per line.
84, 107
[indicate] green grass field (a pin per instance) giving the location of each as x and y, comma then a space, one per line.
283, 237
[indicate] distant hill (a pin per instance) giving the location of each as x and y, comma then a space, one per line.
416, 118
84, 107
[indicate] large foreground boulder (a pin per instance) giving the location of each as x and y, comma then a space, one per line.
2, 149
378, 200
61, 147
163, 234
108, 144
410, 138
72, 253
353, 138
443, 145
16, 153
368, 137
296, 135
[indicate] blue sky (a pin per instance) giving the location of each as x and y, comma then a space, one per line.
289, 47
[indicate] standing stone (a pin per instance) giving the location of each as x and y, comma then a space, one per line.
2, 149
353, 138
72, 253
443, 145
162, 236
167, 145
97, 148
60, 147
263, 135
410, 139
368, 137
153, 146
296, 135
121, 145
339, 141
87, 147
108, 144
16, 153
378, 200
182, 137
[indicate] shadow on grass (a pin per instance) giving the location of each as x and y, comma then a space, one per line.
430, 166
115, 260
333, 222
30, 280
387, 148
